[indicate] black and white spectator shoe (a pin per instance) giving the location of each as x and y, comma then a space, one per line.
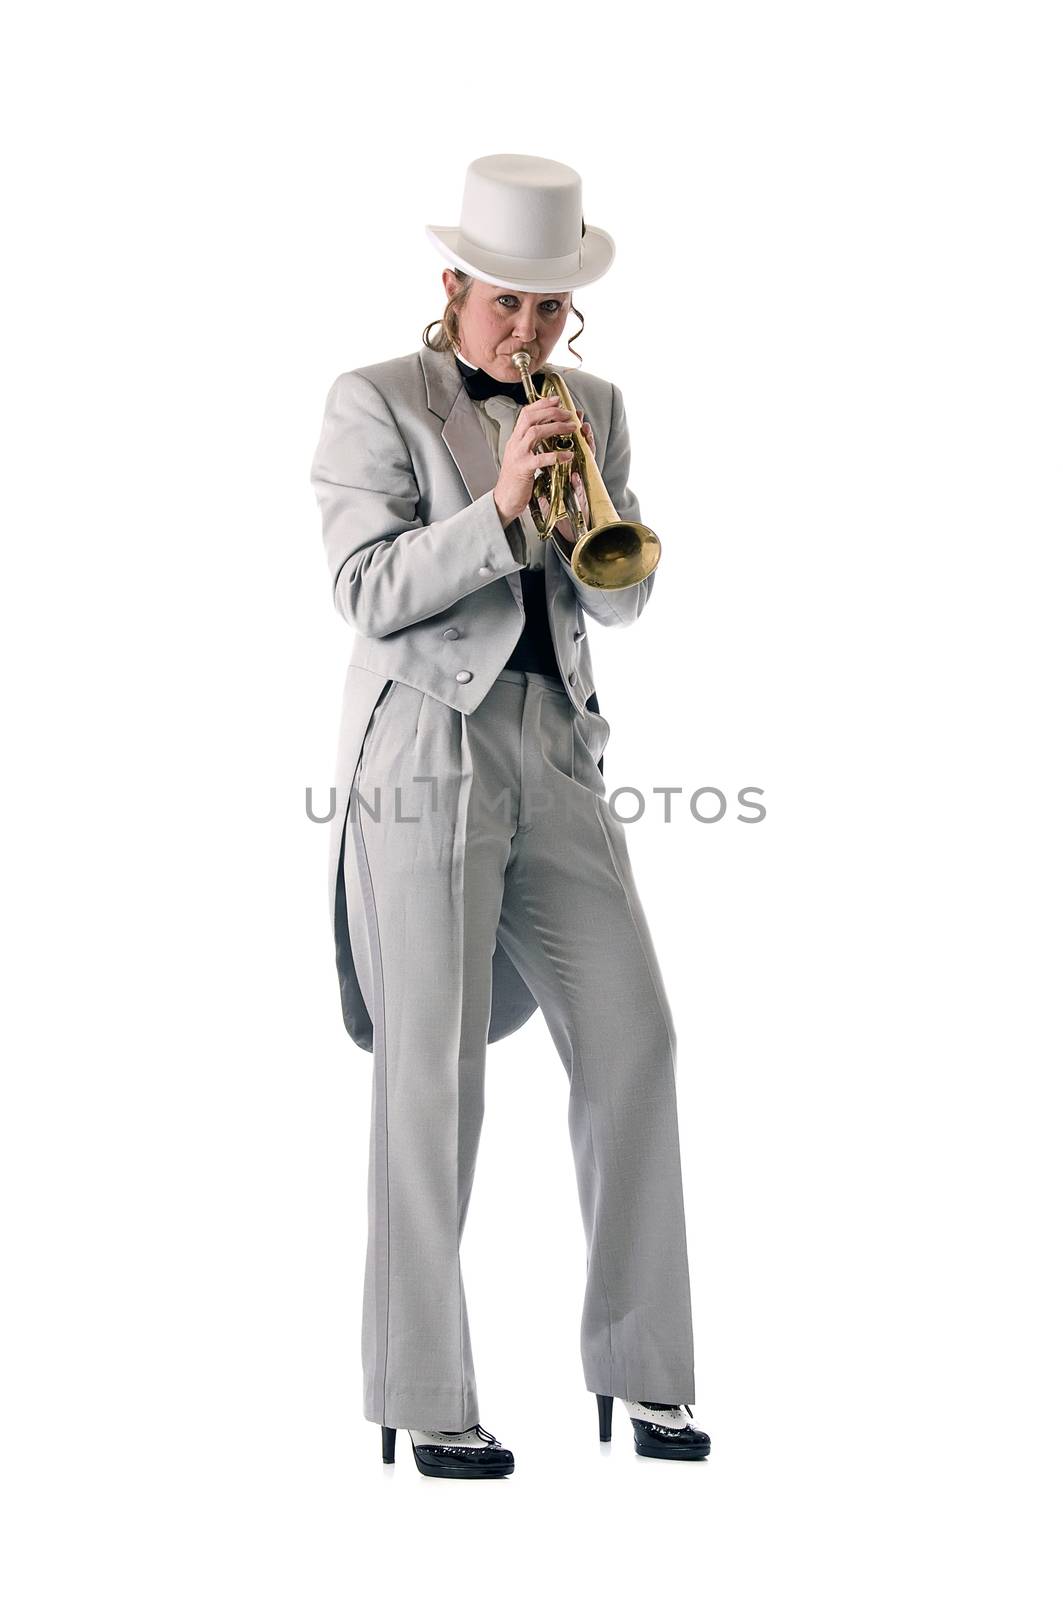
467, 1453
660, 1430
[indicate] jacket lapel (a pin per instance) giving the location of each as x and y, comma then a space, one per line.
463, 434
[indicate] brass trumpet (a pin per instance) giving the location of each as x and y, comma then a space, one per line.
610, 553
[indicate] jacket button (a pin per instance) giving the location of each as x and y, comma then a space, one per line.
463, 677
572, 677
581, 633
485, 570
451, 633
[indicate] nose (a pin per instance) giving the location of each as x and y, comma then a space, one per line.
524, 327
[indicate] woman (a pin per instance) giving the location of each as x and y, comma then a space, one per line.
460, 902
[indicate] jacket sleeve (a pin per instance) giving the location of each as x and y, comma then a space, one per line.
389, 569
615, 607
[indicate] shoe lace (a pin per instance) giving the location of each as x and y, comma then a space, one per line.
660, 1405
458, 1433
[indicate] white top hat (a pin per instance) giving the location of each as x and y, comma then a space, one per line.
522, 227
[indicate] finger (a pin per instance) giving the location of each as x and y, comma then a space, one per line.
541, 429
542, 413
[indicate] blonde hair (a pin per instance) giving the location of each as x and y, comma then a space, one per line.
448, 325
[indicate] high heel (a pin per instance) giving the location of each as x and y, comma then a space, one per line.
464, 1453
661, 1430
605, 1417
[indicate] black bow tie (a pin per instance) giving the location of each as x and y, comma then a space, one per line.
480, 384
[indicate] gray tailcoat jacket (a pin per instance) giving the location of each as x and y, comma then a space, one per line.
426, 573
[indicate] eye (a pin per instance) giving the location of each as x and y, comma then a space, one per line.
551, 307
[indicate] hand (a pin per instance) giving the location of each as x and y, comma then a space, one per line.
521, 461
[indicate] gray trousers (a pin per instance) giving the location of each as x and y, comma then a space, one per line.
464, 829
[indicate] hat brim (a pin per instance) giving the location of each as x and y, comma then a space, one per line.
598, 253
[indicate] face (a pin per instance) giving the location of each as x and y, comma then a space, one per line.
494, 322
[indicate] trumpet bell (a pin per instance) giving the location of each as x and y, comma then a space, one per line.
615, 555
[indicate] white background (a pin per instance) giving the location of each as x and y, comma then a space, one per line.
835, 318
